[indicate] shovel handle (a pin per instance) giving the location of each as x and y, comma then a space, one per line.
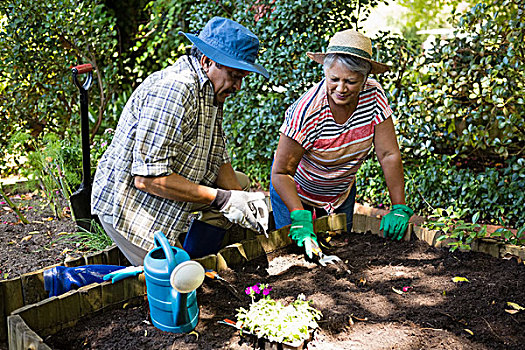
83, 68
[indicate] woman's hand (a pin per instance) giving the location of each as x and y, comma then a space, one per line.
302, 230
395, 223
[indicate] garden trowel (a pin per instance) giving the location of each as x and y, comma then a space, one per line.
327, 259
211, 274
81, 199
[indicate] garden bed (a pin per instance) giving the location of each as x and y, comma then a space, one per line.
365, 310
362, 311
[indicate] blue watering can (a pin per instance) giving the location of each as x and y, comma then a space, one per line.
171, 280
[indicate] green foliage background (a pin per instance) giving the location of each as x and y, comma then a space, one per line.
458, 108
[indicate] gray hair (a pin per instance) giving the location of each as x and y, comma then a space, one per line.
353, 63
195, 52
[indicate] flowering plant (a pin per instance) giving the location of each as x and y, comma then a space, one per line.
259, 288
267, 318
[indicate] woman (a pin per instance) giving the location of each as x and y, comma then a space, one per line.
326, 136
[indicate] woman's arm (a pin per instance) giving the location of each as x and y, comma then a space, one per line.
289, 153
389, 156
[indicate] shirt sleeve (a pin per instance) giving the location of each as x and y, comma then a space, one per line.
160, 129
383, 110
301, 117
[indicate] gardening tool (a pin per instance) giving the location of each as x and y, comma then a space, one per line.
171, 280
316, 250
327, 259
211, 274
81, 199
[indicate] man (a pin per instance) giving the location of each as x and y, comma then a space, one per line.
168, 156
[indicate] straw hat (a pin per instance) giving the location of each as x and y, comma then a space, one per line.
350, 42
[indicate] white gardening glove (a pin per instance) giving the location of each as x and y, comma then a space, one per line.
261, 213
247, 209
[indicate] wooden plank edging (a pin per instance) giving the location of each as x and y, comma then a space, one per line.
29, 288
56, 313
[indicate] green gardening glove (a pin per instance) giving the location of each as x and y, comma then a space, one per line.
302, 229
395, 223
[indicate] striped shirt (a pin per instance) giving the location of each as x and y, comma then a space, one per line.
169, 125
333, 152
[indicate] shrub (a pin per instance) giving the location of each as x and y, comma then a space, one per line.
497, 194
39, 41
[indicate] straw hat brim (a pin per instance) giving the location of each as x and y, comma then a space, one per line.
377, 68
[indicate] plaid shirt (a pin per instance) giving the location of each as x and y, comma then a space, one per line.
169, 125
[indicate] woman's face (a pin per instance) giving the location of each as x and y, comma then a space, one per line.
343, 84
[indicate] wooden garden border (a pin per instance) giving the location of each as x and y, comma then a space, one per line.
27, 324
29, 288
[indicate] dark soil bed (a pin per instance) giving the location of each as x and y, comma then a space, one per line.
363, 310
42, 242
360, 311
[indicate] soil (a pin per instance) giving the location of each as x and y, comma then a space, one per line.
366, 309
363, 310
41, 243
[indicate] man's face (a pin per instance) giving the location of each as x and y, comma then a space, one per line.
225, 80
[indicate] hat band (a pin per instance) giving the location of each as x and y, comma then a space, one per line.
351, 50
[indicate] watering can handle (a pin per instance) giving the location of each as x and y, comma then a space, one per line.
162, 241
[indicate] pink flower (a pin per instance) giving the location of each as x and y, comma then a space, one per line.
256, 289
406, 289
267, 290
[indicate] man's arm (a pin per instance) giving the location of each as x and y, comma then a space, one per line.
177, 188
226, 179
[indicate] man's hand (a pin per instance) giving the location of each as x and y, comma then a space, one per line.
247, 209
302, 229
395, 223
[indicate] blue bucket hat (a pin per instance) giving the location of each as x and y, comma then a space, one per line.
229, 43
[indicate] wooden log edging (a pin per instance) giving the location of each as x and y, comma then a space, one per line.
28, 324
29, 288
